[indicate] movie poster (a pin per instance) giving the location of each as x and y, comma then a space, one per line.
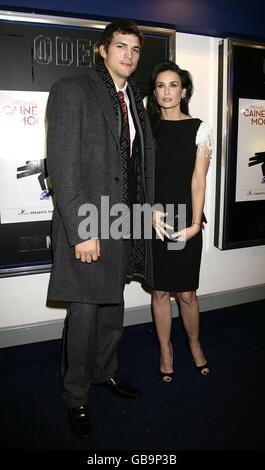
24, 188
250, 178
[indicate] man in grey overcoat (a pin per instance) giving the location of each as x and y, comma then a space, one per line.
99, 144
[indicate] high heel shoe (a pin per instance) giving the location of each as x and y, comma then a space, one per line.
167, 377
204, 369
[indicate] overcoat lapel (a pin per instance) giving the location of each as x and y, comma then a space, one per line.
105, 102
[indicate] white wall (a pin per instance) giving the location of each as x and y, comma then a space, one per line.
23, 299
221, 270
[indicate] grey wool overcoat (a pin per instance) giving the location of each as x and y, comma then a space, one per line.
83, 160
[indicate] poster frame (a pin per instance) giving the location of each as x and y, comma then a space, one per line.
31, 265
227, 134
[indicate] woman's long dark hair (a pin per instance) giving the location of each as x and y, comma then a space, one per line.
153, 109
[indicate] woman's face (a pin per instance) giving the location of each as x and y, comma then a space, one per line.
168, 89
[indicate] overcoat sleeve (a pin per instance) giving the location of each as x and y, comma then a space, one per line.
63, 154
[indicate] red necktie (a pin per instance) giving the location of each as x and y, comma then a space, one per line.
125, 118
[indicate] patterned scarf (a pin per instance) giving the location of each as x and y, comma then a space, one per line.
137, 259
107, 79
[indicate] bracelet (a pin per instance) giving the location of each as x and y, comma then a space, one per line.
195, 223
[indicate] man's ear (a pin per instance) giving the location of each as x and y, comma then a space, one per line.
102, 51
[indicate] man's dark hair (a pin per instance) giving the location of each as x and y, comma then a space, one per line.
123, 26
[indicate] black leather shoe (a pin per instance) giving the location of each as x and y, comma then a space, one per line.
116, 385
79, 418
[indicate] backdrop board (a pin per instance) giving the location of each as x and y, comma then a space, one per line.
240, 184
35, 51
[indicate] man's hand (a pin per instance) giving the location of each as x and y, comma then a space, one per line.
88, 251
159, 225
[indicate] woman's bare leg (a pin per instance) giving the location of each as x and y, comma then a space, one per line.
189, 309
162, 311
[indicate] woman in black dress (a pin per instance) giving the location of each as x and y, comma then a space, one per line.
182, 158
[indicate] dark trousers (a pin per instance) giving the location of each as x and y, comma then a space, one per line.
92, 333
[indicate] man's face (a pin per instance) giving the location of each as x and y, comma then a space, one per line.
122, 56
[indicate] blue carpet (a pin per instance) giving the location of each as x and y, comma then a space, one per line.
224, 410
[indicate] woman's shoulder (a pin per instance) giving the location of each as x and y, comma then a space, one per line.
203, 127
204, 135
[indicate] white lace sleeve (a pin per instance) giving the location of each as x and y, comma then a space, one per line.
204, 137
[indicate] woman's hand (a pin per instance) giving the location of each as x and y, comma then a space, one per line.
187, 233
159, 225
